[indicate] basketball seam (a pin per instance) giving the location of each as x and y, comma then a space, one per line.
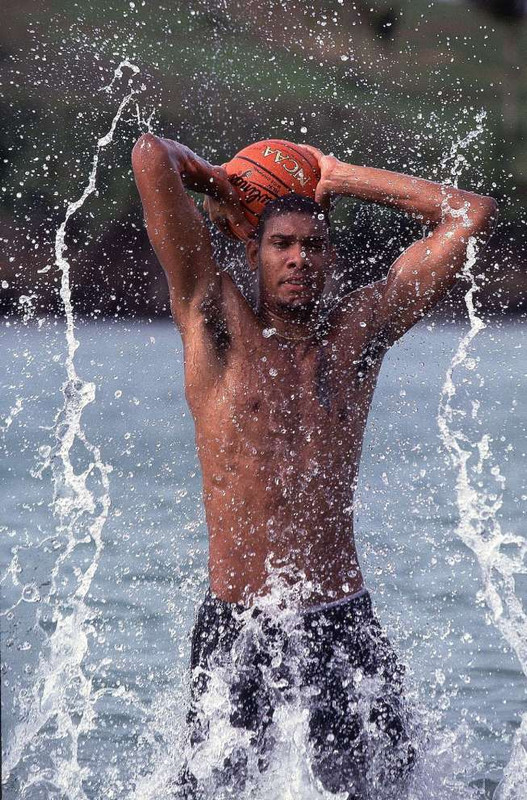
264, 187
260, 166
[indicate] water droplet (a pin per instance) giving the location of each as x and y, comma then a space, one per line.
30, 593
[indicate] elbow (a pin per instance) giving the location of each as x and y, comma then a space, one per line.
484, 215
490, 209
147, 148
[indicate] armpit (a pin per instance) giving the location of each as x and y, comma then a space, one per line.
370, 354
215, 323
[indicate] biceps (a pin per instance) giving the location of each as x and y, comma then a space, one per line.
177, 233
419, 279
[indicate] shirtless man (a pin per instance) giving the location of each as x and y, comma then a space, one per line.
280, 396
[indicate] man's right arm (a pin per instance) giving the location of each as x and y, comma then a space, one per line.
163, 170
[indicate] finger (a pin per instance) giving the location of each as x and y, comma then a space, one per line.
228, 229
222, 227
213, 209
227, 225
322, 197
241, 223
220, 221
233, 199
318, 154
221, 172
236, 215
244, 229
244, 232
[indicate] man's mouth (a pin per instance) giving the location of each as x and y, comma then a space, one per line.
297, 281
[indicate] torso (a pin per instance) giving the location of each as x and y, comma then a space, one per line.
279, 430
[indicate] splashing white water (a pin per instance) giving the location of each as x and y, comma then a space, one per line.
479, 527
13, 412
60, 708
81, 508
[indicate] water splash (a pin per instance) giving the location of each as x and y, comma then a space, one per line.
60, 708
13, 412
500, 555
454, 162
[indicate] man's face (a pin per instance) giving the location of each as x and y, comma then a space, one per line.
293, 260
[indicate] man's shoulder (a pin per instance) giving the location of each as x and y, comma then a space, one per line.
237, 308
358, 305
220, 299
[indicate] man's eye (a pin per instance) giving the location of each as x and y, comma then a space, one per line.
281, 245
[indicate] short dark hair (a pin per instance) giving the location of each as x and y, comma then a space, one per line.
291, 203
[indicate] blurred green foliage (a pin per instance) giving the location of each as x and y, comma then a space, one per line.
388, 84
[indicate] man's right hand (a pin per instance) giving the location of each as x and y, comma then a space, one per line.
222, 202
224, 208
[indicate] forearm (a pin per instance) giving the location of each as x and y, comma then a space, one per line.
426, 200
195, 173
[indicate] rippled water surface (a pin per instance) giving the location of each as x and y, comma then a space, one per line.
108, 725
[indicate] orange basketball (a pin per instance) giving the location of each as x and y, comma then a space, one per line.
266, 170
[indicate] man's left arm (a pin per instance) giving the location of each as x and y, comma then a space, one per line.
428, 269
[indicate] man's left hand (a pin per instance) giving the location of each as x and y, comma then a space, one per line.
326, 165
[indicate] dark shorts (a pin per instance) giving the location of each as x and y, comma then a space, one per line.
336, 662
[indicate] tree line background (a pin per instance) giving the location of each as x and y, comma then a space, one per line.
392, 85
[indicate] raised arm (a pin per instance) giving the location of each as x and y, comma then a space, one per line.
425, 272
163, 170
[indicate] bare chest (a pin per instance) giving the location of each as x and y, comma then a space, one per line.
272, 399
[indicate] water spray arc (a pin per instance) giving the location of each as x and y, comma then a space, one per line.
61, 704
479, 528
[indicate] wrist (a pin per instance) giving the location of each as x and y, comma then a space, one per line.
197, 174
217, 183
336, 176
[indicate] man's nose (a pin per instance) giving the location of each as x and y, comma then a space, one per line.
297, 256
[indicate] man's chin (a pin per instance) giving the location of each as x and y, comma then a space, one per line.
299, 305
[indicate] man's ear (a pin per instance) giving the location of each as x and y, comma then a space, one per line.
252, 247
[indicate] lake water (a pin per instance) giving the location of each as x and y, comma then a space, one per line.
94, 680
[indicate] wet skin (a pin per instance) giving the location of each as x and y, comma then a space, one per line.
280, 423
279, 428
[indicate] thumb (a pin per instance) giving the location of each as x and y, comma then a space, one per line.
322, 196
240, 222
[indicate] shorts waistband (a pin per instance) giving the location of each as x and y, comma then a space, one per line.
361, 596
335, 603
